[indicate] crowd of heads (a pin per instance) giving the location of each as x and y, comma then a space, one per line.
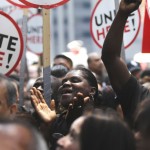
104, 105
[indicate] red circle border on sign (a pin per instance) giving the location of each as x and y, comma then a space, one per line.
21, 40
44, 6
18, 5
93, 34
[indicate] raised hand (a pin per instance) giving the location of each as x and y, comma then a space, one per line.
128, 6
79, 100
46, 114
76, 106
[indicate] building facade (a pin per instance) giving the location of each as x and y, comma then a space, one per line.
71, 22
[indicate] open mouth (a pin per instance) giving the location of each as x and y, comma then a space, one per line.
66, 91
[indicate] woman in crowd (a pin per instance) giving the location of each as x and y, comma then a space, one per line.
103, 130
77, 94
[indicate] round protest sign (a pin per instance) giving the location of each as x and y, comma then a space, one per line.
44, 3
5, 6
102, 18
17, 3
17, 15
11, 44
35, 34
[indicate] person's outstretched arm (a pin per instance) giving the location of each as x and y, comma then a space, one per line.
116, 67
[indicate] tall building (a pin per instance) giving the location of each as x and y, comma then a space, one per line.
71, 22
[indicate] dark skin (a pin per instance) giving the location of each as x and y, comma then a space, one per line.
95, 64
46, 113
111, 52
74, 92
73, 83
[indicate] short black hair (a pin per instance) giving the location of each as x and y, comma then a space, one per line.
145, 73
64, 57
59, 71
102, 127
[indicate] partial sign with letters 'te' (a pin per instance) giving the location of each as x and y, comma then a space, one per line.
102, 18
11, 44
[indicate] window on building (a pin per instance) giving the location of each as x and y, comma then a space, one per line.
55, 21
55, 35
65, 21
65, 6
66, 36
86, 5
86, 34
86, 19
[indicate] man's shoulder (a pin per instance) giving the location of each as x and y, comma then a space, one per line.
131, 85
134, 90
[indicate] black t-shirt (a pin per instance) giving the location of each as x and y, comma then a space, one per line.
62, 125
130, 96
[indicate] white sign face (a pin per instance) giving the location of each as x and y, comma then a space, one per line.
17, 15
17, 3
102, 18
35, 34
5, 6
148, 7
11, 44
44, 3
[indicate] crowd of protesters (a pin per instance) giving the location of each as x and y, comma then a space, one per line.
104, 105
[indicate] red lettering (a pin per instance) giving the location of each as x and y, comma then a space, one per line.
100, 33
126, 28
35, 39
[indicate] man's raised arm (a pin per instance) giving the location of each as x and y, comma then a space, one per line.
111, 52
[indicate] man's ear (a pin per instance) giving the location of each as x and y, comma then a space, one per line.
13, 109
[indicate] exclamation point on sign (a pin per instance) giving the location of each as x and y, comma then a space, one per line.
9, 58
133, 23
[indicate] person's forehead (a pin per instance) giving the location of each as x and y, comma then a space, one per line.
12, 128
94, 55
74, 73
